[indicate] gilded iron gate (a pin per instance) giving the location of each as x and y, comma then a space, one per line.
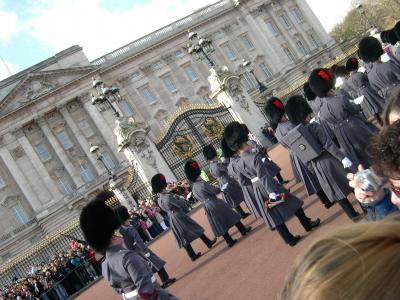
188, 131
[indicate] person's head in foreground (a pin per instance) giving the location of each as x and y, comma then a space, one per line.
385, 155
392, 110
98, 223
357, 262
236, 137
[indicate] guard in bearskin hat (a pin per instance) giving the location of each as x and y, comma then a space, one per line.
273, 169
383, 76
357, 84
184, 228
275, 203
309, 142
219, 214
126, 271
233, 194
134, 242
343, 117
274, 108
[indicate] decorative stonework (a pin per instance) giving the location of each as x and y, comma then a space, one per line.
37, 89
146, 69
168, 58
127, 131
17, 152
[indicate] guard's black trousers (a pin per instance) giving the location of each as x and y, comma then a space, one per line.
189, 249
284, 231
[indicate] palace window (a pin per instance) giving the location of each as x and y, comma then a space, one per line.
108, 160
191, 73
284, 21
302, 49
64, 139
148, 95
136, 75
3, 183
272, 28
266, 70
247, 42
86, 173
230, 54
314, 40
43, 152
86, 128
126, 108
179, 53
65, 186
248, 81
19, 214
289, 53
297, 14
170, 84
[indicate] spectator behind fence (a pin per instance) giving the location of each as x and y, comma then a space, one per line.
358, 262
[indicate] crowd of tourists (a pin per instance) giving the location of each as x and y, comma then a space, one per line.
62, 276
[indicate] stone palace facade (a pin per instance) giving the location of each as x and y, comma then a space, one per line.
47, 121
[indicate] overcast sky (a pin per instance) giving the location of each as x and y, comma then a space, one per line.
33, 30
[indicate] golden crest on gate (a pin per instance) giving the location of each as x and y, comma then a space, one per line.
183, 146
213, 128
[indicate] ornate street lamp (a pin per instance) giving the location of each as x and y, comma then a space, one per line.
104, 96
200, 48
96, 151
247, 66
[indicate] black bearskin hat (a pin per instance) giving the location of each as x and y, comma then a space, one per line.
235, 136
158, 183
227, 152
98, 223
370, 49
122, 213
209, 152
274, 110
246, 129
192, 170
352, 64
341, 71
308, 92
396, 30
321, 81
389, 36
297, 109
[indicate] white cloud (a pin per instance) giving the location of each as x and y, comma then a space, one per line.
330, 12
9, 24
59, 24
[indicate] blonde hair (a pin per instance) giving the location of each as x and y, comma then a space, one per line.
358, 262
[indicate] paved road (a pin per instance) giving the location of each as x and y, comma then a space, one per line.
255, 268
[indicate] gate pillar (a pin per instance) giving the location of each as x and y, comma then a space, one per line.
133, 140
227, 89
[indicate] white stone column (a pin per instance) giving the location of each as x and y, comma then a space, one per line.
103, 127
71, 169
226, 88
81, 139
21, 181
124, 197
37, 163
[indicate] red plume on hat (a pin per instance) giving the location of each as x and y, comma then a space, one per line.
324, 75
194, 165
277, 103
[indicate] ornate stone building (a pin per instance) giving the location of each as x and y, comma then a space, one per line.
47, 121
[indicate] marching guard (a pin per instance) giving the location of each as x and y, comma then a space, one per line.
383, 76
275, 203
134, 242
357, 84
343, 117
125, 270
233, 194
275, 110
219, 214
310, 143
273, 169
184, 228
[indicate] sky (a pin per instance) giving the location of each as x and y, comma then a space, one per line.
33, 30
